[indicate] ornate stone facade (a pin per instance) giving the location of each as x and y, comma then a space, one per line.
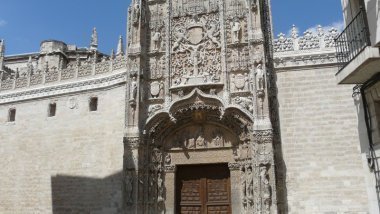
198, 81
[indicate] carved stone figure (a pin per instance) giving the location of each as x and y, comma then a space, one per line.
266, 189
235, 28
249, 184
133, 89
260, 77
245, 102
168, 159
153, 108
136, 14
162, 89
129, 187
160, 188
213, 32
243, 185
180, 34
156, 40
156, 156
152, 186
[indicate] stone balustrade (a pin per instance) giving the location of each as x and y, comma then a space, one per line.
311, 40
34, 78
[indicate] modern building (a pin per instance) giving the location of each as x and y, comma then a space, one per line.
204, 112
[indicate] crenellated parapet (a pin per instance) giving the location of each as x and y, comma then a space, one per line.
314, 47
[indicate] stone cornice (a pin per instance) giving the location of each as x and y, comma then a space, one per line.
297, 59
64, 88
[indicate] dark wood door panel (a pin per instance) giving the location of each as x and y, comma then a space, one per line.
203, 189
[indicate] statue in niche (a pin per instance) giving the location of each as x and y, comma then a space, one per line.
190, 143
133, 89
162, 87
168, 159
260, 77
243, 185
136, 14
218, 140
266, 189
156, 156
160, 187
246, 82
249, 184
252, 80
235, 28
129, 187
156, 40
152, 185
200, 141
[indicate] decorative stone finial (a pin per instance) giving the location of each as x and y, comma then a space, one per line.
320, 31
94, 40
112, 54
120, 47
294, 32
2, 47
30, 65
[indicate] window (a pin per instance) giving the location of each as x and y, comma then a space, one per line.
12, 115
93, 104
52, 109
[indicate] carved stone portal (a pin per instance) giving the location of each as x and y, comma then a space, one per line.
197, 84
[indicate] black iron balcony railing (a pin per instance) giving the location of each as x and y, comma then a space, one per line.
352, 41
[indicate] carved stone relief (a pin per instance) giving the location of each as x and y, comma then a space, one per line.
200, 137
237, 30
156, 66
194, 7
154, 108
157, 33
196, 50
238, 59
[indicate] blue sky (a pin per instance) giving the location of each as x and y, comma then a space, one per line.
25, 23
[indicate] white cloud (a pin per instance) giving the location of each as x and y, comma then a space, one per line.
2, 22
338, 25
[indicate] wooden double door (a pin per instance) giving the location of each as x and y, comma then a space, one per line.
203, 189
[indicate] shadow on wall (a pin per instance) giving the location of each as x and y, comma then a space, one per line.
280, 165
365, 146
72, 194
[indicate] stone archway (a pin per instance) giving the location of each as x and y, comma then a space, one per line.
200, 129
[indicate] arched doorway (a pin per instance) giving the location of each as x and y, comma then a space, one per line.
201, 134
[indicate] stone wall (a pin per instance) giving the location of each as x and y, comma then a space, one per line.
70, 163
320, 143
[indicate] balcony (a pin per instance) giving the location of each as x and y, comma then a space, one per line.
358, 60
